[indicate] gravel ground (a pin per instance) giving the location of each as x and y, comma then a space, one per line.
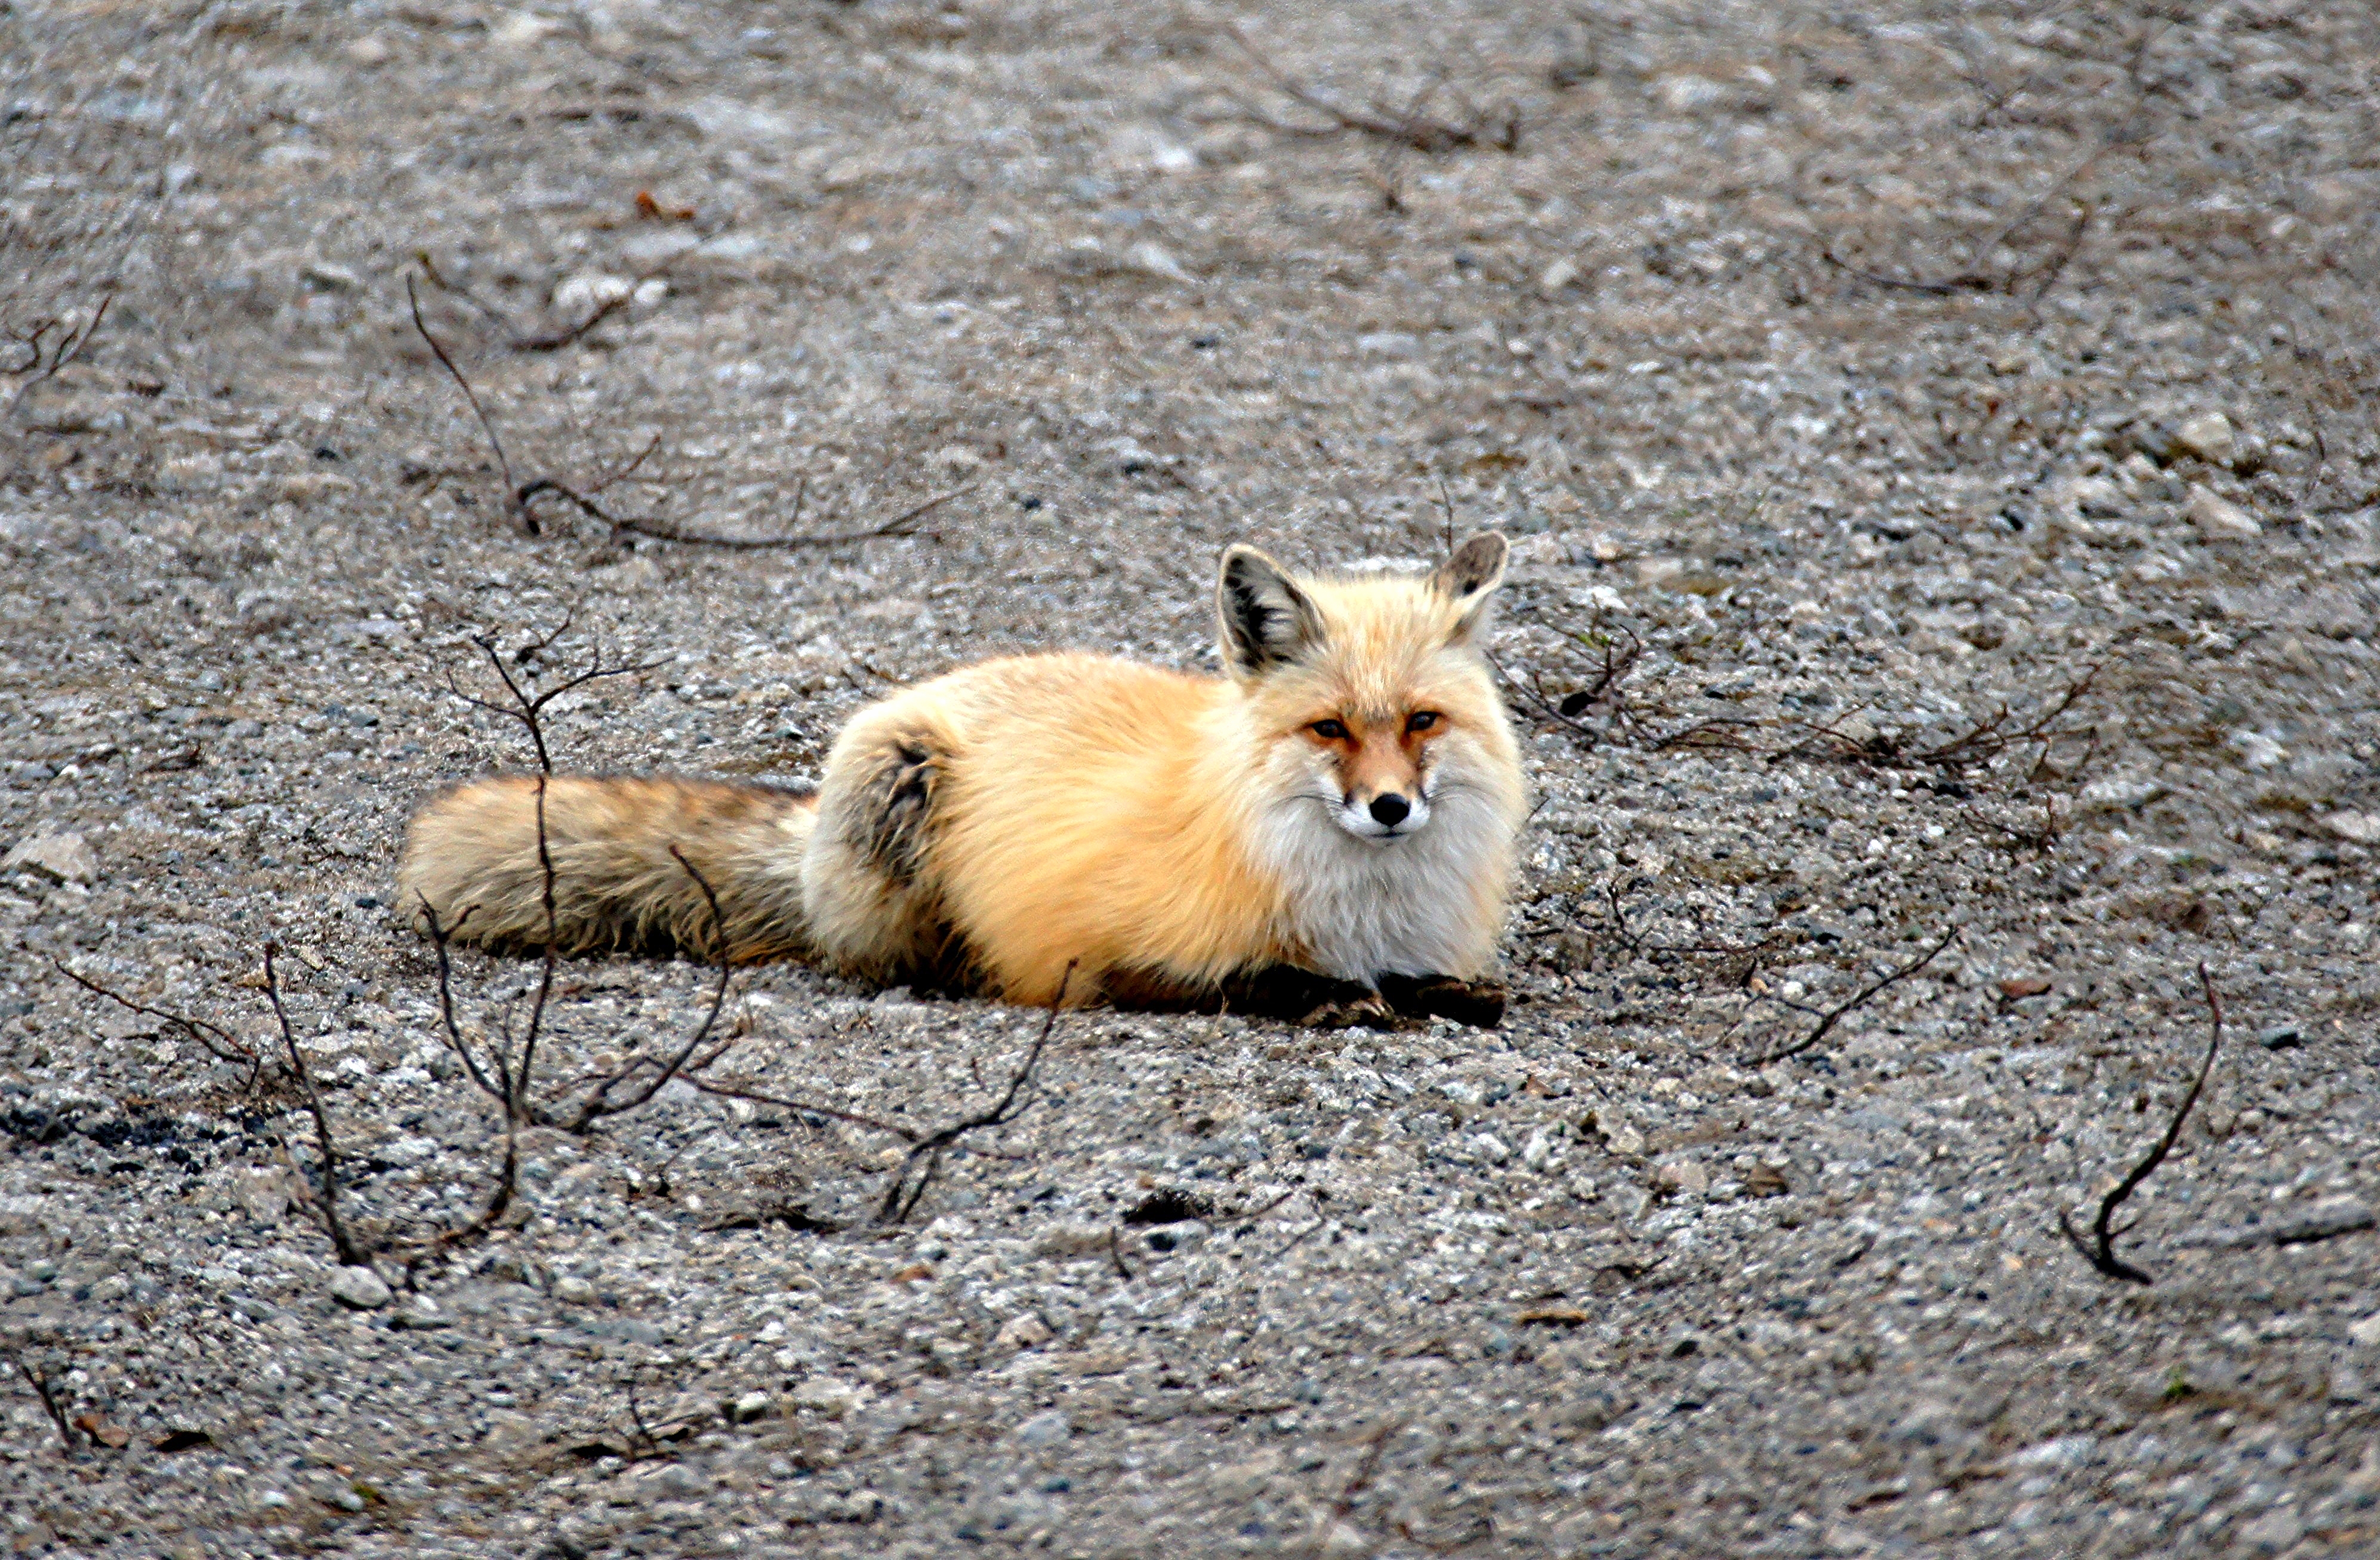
1951, 431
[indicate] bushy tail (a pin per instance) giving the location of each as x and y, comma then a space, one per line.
471, 860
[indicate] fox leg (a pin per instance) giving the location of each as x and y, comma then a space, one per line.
621, 850
868, 889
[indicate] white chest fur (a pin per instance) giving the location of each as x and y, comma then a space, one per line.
1409, 907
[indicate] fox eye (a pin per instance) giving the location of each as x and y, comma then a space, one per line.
1422, 720
1330, 731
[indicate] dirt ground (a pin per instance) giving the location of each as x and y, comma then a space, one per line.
1938, 446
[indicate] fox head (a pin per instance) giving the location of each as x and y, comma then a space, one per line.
1368, 691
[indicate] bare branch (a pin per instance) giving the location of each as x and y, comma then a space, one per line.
1409, 127
902, 1197
349, 1253
663, 531
504, 463
40, 1382
219, 1042
556, 340
2100, 1250
1834, 1015
598, 1103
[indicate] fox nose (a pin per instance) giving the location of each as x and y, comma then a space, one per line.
1389, 810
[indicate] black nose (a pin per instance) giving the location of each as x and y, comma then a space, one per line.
1389, 810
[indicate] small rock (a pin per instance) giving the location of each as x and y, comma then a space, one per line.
2220, 519
1558, 276
1154, 259
2356, 828
750, 1407
1682, 1175
2209, 437
1619, 1137
1050, 1429
1028, 1331
2366, 1333
263, 1190
573, 1291
2281, 1037
2332, 1216
329, 277
2065, 1451
360, 1288
1389, 343
2274, 1532
305, 487
522, 30
1075, 1238
47, 407
827, 1396
420, 1314
61, 858
576, 297
1344, 1540
370, 50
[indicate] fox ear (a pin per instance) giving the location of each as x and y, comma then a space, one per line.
1268, 621
1468, 577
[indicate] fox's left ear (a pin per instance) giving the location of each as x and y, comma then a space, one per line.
1468, 577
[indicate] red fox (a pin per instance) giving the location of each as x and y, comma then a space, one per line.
1065, 828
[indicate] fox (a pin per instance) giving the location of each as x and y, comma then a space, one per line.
1333, 819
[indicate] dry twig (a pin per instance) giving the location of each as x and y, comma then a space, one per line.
901, 524
924, 1158
503, 462
40, 1382
1407, 127
2100, 1250
219, 1042
1831, 1016
349, 1253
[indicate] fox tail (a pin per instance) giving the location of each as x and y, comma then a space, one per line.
630, 863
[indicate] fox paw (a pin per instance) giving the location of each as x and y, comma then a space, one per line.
1479, 1003
1369, 1011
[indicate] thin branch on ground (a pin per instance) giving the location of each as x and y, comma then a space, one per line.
1718, 950
1536, 695
645, 453
737, 1088
1410, 126
527, 707
503, 462
40, 1382
522, 496
924, 1157
219, 1042
1833, 1015
599, 1102
2100, 1250
1367, 1468
349, 1253
71, 341
555, 341
903, 524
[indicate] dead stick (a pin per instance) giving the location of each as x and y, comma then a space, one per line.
1835, 1016
349, 1254
503, 464
2101, 1254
